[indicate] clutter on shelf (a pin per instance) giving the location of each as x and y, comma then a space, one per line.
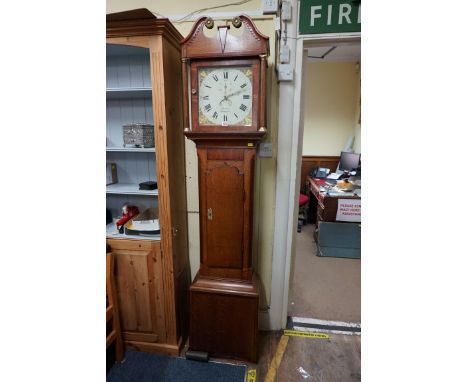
128, 212
138, 135
146, 223
111, 173
150, 185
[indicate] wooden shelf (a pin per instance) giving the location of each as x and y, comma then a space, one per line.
131, 149
128, 189
113, 93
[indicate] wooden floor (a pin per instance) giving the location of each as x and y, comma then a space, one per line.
336, 359
324, 288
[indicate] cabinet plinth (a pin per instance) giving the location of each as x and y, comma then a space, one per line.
224, 317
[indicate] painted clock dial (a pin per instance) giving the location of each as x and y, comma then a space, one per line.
225, 96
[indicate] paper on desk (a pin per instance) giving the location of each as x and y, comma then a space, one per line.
334, 176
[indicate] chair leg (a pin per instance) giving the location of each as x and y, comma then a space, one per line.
119, 353
113, 309
119, 347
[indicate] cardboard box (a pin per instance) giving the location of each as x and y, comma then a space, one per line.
111, 173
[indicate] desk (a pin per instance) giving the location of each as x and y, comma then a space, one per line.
327, 205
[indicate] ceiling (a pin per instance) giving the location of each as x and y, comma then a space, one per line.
350, 51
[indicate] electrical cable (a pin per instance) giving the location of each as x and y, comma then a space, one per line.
184, 18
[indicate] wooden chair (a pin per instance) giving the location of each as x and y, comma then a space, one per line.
112, 312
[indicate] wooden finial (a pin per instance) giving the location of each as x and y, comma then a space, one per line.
237, 22
209, 23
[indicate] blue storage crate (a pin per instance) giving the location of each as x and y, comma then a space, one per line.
339, 240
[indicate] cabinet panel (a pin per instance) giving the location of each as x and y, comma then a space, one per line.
138, 292
225, 213
133, 283
226, 193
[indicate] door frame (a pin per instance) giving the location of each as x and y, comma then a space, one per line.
290, 140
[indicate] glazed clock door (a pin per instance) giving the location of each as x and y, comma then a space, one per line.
224, 95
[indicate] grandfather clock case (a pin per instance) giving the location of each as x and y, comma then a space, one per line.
224, 78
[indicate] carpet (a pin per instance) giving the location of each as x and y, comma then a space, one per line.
146, 367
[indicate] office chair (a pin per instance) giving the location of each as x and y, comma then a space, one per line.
303, 208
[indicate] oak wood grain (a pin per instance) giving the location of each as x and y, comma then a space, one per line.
224, 295
250, 43
226, 189
224, 318
225, 49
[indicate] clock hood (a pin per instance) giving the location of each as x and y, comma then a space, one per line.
198, 45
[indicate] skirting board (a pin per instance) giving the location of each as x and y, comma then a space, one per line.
264, 320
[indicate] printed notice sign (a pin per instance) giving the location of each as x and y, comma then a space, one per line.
349, 210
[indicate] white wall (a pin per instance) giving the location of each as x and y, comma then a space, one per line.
331, 111
357, 123
179, 7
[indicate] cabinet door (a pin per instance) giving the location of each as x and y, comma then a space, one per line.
139, 294
225, 214
225, 211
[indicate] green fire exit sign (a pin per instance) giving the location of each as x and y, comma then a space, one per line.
329, 16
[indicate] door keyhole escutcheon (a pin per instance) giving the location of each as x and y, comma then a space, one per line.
210, 214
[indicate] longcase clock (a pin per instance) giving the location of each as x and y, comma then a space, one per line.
224, 81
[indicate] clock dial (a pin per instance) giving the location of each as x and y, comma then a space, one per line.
225, 96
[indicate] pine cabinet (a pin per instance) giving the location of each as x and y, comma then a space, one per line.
152, 272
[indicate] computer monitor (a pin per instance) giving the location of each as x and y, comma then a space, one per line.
349, 161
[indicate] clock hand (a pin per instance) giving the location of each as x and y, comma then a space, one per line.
225, 99
235, 93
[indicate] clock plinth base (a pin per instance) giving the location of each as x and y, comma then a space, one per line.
224, 317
